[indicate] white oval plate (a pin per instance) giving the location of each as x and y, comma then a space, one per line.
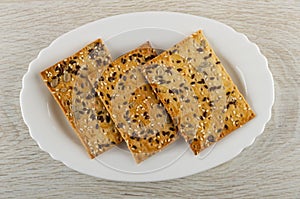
242, 59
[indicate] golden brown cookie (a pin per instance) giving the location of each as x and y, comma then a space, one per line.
138, 114
197, 92
67, 81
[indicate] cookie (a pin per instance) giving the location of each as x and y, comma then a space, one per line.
197, 92
139, 116
67, 81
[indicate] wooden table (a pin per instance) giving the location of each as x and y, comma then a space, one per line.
269, 168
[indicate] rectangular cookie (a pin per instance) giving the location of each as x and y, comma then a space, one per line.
197, 92
139, 116
68, 83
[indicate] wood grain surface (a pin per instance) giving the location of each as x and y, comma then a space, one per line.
269, 168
